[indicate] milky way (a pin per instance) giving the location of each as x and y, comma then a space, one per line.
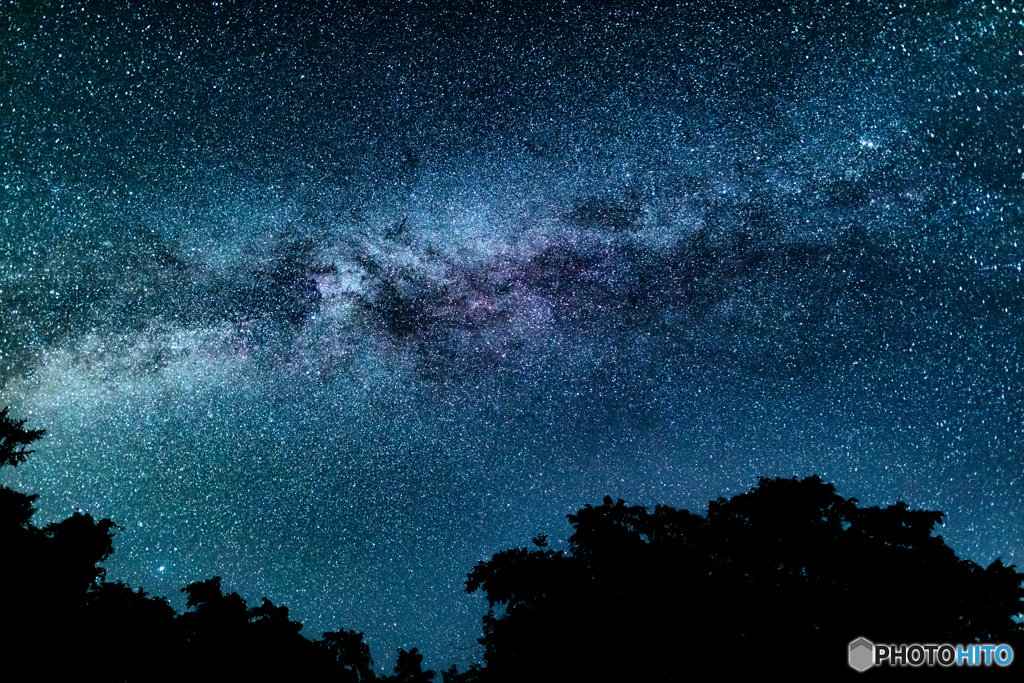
335, 303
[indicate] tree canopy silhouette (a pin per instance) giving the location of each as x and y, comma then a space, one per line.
14, 438
46, 572
347, 651
789, 567
60, 615
641, 595
409, 668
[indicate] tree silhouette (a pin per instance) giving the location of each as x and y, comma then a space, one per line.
14, 438
234, 641
347, 651
55, 585
475, 674
124, 634
640, 596
409, 668
789, 567
47, 573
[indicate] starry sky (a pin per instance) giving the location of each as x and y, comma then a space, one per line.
335, 302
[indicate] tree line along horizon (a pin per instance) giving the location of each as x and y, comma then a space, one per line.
638, 595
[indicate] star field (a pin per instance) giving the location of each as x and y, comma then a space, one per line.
336, 302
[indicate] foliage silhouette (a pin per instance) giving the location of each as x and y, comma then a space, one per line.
409, 668
789, 567
14, 438
47, 573
127, 635
347, 651
475, 674
789, 564
56, 603
238, 641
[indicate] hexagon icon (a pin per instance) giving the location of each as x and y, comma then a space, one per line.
862, 654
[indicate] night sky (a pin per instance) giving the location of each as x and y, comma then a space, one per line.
336, 302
